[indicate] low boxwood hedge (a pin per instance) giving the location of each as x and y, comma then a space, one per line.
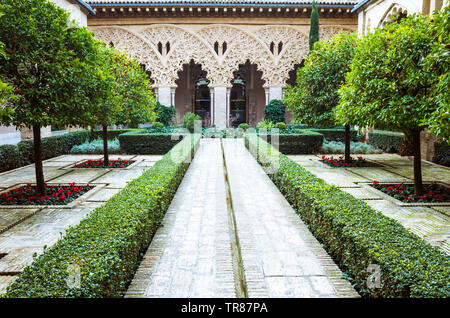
336, 134
356, 235
304, 142
144, 143
442, 154
388, 141
109, 243
10, 157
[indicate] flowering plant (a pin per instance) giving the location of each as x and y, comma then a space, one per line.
340, 162
405, 192
55, 194
119, 163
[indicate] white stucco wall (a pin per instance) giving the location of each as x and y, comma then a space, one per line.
375, 13
75, 11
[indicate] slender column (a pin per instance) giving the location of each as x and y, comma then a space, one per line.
172, 96
211, 100
266, 90
220, 106
228, 106
165, 95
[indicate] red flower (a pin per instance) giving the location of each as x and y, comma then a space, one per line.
42, 198
423, 197
31, 198
376, 182
408, 198
62, 198
323, 157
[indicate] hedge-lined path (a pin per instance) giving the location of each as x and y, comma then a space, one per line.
281, 258
428, 221
191, 254
26, 231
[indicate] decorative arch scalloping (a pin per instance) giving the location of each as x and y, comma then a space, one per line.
241, 45
391, 14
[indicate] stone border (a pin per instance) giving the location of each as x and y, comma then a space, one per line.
96, 187
387, 197
71, 166
380, 165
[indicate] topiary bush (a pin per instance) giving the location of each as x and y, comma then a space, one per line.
157, 125
388, 141
166, 114
281, 126
189, 121
275, 111
109, 243
356, 235
243, 126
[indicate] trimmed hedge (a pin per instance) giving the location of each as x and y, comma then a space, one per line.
336, 134
442, 155
388, 141
304, 142
10, 157
144, 143
108, 244
112, 133
356, 235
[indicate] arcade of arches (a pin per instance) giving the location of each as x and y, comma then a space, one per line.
225, 73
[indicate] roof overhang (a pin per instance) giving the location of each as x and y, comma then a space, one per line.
84, 6
361, 5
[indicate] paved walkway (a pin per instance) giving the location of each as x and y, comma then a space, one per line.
191, 254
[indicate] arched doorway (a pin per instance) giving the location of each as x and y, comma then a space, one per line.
202, 100
238, 101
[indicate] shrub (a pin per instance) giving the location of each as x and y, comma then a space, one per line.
243, 126
281, 126
166, 114
189, 121
306, 142
143, 143
111, 133
10, 157
96, 147
388, 141
356, 235
107, 245
336, 147
157, 125
275, 111
442, 154
265, 125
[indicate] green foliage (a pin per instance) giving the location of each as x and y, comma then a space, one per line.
438, 63
189, 120
108, 244
356, 235
265, 125
243, 126
388, 86
157, 125
165, 114
281, 126
143, 143
96, 147
388, 141
10, 157
275, 111
314, 26
337, 147
304, 142
315, 95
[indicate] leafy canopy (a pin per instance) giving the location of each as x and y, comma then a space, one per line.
316, 94
388, 85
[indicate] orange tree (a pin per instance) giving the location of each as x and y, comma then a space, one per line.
315, 94
123, 93
50, 66
389, 86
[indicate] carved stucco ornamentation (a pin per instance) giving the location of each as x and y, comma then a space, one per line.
187, 45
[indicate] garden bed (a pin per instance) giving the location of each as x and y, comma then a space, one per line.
100, 163
26, 195
353, 163
435, 193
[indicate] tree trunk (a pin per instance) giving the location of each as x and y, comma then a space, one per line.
38, 160
418, 186
105, 144
347, 143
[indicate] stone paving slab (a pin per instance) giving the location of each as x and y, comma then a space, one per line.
153, 158
118, 178
190, 254
9, 218
27, 175
103, 195
281, 258
80, 175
